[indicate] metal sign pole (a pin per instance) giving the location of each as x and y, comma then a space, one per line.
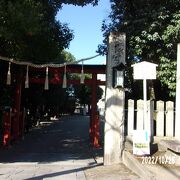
145, 103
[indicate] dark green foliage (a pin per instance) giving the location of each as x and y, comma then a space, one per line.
153, 31
30, 31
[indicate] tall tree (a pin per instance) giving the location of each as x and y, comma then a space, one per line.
153, 31
29, 29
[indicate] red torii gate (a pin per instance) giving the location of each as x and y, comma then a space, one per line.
73, 68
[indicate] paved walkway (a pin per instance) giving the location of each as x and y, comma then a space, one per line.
57, 150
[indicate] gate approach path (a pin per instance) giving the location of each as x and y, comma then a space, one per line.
57, 150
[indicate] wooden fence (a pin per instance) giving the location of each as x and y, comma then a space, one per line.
161, 117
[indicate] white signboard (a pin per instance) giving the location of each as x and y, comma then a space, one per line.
144, 70
141, 143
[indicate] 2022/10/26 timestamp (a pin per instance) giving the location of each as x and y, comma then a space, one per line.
169, 160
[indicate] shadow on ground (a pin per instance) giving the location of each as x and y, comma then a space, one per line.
62, 140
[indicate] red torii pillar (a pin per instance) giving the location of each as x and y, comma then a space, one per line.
16, 120
7, 128
94, 118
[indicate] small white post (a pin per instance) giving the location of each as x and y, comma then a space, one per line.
130, 117
150, 123
160, 119
169, 119
177, 122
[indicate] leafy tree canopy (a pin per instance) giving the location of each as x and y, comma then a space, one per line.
153, 31
30, 31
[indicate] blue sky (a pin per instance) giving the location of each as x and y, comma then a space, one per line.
86, 24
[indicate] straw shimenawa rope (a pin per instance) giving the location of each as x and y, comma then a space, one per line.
25, 63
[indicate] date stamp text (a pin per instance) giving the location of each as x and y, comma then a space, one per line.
169, 160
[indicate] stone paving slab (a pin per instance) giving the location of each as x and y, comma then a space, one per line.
114, 172
68, 172
33, 172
